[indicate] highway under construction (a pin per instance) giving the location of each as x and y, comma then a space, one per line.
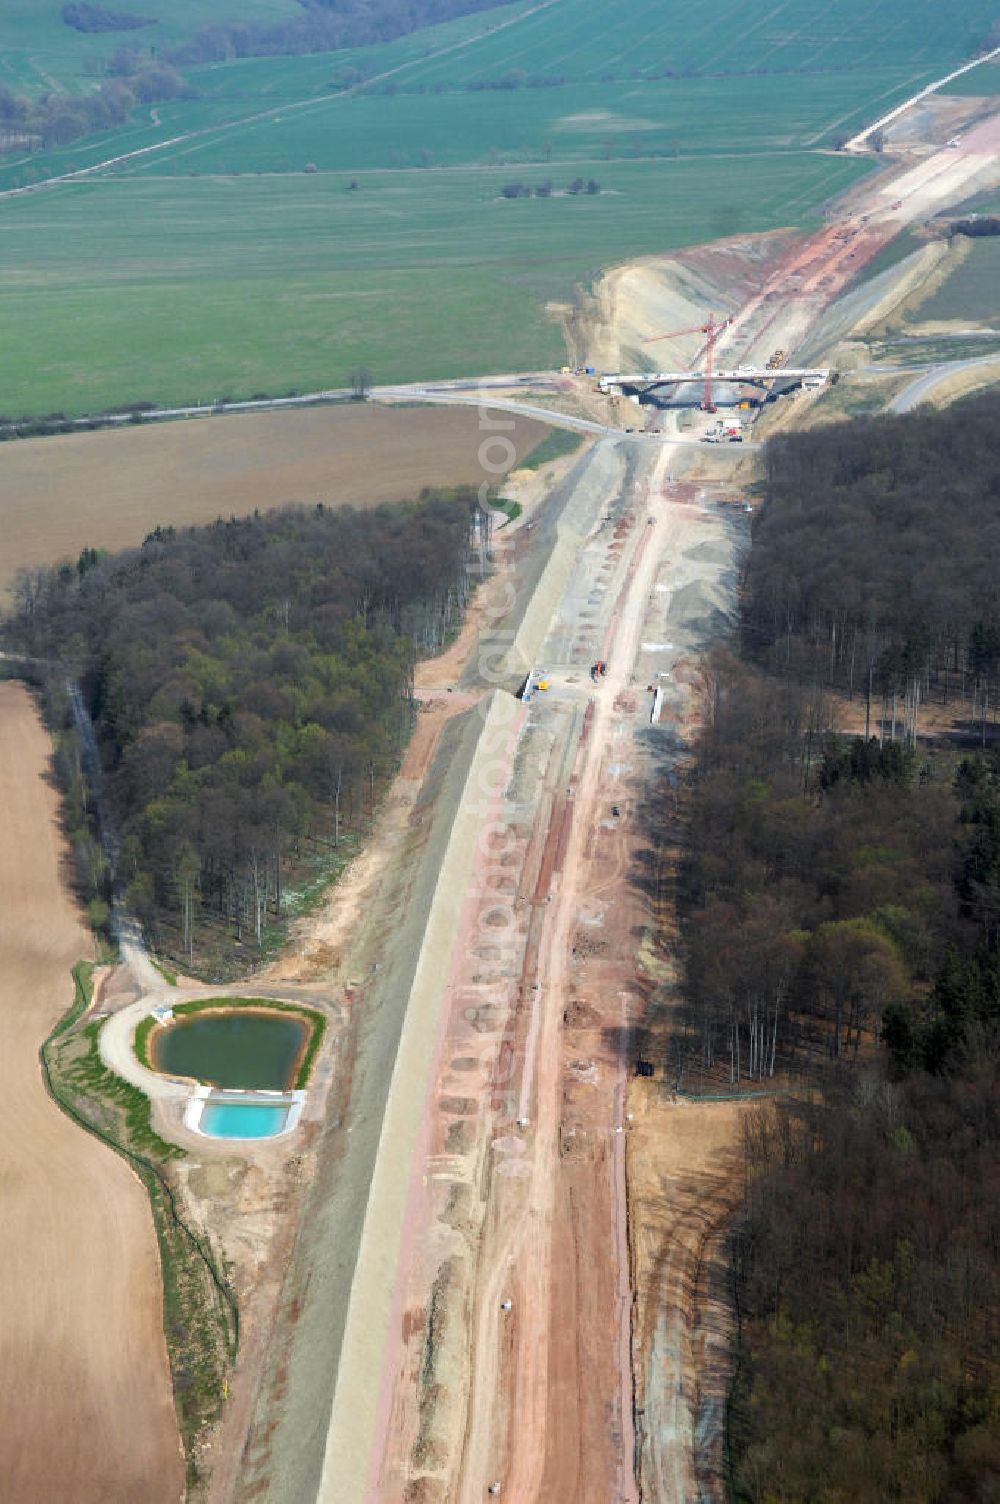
498, 1285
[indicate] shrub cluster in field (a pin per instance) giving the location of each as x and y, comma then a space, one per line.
982, 224
84, 16
139, 77
56, 119
326, 26
545, 190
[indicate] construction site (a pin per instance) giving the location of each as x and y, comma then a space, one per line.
486, 1262
504, 1273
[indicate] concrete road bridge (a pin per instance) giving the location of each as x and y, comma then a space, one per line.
648, 381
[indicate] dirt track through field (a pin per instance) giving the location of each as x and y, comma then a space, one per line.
109, 489
86, 1413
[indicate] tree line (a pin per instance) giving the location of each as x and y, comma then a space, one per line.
979, 225
545, 190
56, 118
839, 919
873, 563
250, 684
137, 77
325, 26
84, 16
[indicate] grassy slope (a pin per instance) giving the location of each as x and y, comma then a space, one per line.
287, 280
972, 291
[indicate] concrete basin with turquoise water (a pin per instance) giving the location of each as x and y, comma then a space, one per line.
247, 1061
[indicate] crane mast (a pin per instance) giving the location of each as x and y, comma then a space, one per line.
711, 330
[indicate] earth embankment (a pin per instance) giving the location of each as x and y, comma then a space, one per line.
86, 1412
332, 1323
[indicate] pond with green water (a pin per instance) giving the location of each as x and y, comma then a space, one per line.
236, 1048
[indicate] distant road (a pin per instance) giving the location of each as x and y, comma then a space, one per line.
920, 390
462, 393
476, 394
311, 102
858, 142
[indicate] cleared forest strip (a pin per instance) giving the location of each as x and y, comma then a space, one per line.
284, 1455
357, 1417
599, 473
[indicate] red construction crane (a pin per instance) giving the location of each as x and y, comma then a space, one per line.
711, 330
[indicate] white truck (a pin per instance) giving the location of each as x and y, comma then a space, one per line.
725, 431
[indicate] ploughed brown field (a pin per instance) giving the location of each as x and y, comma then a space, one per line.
109, 489
86, 1410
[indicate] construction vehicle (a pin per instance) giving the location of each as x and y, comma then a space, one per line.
711, 330
776, 360
725, 431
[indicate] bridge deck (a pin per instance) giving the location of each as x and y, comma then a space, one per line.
724, 373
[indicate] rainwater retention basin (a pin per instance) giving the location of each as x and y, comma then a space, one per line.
252, 1049
247, 1059
239, 1120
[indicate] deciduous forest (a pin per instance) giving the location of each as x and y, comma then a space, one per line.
250, 685
874, 563
325, 26
840, 920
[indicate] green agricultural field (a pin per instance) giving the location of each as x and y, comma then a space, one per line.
971, 292
642, 36
977, 83
39, 51
268, 284
576, 124
282, 231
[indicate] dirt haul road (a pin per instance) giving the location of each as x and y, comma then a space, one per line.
506, 1338
512, 1182
86, 1411
479, 1158
776, 287
567, 1354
